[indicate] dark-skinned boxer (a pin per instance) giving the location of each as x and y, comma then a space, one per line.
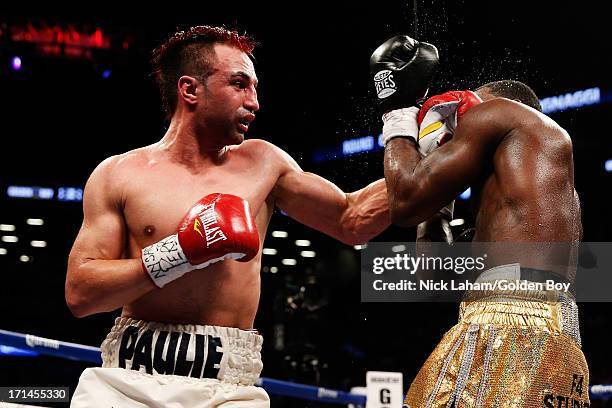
512, 349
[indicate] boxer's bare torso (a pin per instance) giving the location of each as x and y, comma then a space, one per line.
155, 192
137, 198
527, 193
519, 164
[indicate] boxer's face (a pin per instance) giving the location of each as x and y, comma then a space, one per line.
229, 95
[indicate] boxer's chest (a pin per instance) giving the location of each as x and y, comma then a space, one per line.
157, 198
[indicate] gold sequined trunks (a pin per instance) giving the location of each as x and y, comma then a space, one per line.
516, 348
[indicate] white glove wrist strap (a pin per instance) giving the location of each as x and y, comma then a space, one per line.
400, 123
165, 261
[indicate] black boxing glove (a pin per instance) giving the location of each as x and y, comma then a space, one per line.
402, 69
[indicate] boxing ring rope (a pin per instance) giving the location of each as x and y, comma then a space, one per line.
34, 345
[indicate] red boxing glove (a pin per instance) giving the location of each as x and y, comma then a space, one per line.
437, 121
439, 116
218, 227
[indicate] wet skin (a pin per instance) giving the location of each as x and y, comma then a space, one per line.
519, 164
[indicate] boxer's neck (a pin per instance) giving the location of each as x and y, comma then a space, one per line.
188, 148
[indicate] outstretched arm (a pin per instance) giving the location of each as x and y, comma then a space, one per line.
418, 187
352, 218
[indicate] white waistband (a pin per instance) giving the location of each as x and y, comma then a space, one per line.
229, 354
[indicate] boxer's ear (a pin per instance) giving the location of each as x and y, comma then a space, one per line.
187, 89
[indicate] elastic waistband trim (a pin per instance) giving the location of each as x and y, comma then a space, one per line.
225, 353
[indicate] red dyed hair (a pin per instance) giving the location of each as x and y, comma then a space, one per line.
190, 52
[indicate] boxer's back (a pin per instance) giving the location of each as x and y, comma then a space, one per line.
528, 194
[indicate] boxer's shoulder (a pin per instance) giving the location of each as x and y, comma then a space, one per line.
527, 123
507, 110
127, 160
254, 146
262, 150
494, 108
496, 119
110, 174
133, 162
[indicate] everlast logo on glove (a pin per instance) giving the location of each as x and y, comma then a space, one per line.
160, 354
213, 220
212, 233
383, 82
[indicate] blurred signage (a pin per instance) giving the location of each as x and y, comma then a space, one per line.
45, 193
59, 39
572, 100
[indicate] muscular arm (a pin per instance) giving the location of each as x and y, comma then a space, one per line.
97, 279
419, 187
352, 218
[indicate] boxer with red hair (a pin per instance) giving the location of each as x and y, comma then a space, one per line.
172, 234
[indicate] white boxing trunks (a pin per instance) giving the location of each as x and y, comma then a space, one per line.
148, 364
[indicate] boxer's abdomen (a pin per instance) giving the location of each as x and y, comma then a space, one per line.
224, 294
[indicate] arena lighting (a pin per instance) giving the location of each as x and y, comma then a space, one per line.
364, 144
269, 251
308, 254
302, 242
466, 194
280, 234
358, 247
398, 248
456, 222
577, 99
38, 244
7, 227
2, 251
45, 193
359, 145
20, 192
24, 258
12, 351
35, 221
70, 39
273, 269
608, 166
107, 73
40, 193
289, 261
10, 238
69, 194
16, 63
